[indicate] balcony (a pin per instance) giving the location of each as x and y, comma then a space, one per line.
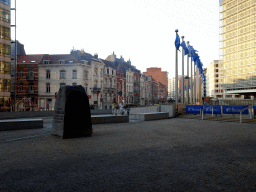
96, 89
30, 78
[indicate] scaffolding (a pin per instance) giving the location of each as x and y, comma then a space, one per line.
237, 44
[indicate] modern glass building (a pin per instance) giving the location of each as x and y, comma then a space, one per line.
5, 55
238, 47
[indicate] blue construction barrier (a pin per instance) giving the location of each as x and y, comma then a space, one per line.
234, 109
208, 109
227, 109
194, 109
254, 108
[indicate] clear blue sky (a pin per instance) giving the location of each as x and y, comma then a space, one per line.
142, 30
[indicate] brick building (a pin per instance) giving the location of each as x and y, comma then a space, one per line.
27, 82
161, 77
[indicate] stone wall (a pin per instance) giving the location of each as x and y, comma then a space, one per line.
31, 114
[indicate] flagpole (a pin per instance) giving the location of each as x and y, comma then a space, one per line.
182, 77
194, 84
176, 76
187, 93
191, 82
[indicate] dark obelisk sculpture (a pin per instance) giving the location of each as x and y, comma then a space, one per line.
72, 115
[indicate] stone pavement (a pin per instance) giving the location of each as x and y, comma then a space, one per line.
166, 155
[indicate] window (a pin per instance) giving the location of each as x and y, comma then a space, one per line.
21, 86
107, 71
74, 84
95, 71
31, 73
48, 90
46, 61
62, 84
31, 87
112, 72
62, 74
21, 73
62, 61
85, 74
74, 74
48, 74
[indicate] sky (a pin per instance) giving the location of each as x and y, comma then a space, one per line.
140, 30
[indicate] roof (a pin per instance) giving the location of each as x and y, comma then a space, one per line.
29, 59
55, 59
108, 63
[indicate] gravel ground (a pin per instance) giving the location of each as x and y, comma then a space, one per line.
166, 155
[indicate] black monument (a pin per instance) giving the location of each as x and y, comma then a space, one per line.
72, 117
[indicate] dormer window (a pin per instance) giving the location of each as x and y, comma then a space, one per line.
32, 61
62, 61
23, 61
46, 61
71, 61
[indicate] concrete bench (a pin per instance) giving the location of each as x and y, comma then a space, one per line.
104, 119
152, 116
17, 124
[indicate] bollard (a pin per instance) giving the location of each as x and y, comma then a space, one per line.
250, 112
202, 113
221, 110
212, 111
241, 117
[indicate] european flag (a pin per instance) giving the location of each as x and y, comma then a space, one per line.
177, 42
191, 51
183, 45
195, 56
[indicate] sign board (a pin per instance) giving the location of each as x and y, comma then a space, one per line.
208, 109
194, 109
234, 109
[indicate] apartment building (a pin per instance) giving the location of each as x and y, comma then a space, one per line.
129, 86
159, 76
213, 80
109, 85
54, 72
27, 82
237, 47
5, 56
142, 90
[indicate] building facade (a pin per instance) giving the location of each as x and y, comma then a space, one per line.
129, 87
159, 76
142, 90
213, 80
56, 71
109, 85
5, 56
237, 47
27, 82
136, 88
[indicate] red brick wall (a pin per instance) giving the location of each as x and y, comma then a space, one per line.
158, 75
25, 94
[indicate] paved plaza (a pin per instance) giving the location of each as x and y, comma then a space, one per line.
175, 154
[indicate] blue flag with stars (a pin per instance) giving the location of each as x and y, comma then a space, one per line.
177, 42
183, 45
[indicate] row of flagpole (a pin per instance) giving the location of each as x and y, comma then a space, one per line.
198, 65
